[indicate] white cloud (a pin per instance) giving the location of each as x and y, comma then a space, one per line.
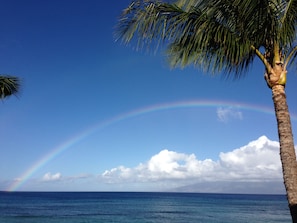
52, 177
225, 114
253, 168
164, 165
257, 161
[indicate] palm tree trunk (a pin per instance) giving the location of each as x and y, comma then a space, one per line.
287, 150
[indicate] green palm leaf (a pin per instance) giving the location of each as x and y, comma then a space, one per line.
9, 85
217, 35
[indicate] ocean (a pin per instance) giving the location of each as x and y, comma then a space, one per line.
140, 207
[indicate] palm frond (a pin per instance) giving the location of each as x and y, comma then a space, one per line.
216, 35
290, 56
9, 85
146, 21
214, 40
288, 19
187, 4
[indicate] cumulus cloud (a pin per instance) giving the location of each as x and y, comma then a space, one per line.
225, 114
164, 165
52, 177
253, 168
257, 161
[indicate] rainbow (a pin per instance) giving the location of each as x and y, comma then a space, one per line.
68, 143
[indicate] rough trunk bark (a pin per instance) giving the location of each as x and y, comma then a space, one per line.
287, 150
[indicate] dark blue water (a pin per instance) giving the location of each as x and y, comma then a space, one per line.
113, 207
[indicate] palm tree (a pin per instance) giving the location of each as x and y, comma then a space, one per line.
224, 37
9, 85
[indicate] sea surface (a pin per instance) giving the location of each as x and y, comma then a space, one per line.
126, 207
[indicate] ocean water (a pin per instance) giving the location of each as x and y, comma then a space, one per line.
126, 207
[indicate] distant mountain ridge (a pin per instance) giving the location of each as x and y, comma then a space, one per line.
271, 187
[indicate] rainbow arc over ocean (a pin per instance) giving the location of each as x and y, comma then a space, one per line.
68, 143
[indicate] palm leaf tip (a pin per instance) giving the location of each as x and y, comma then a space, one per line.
9, 85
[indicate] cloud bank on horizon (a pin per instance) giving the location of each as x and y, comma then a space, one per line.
257, 162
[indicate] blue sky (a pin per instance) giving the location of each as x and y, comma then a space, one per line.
108, 102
